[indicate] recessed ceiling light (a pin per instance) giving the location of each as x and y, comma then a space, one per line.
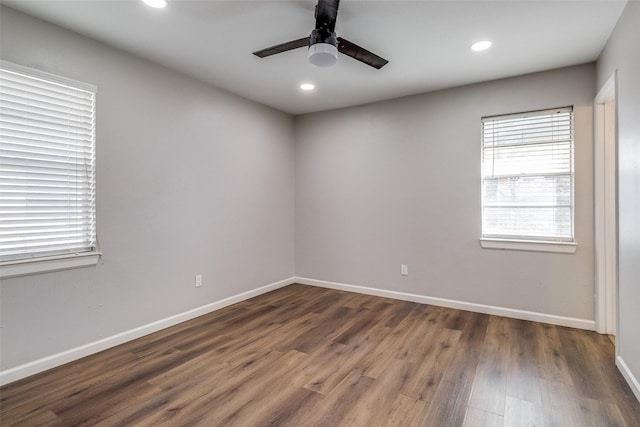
480, 46
158, 4
307, 86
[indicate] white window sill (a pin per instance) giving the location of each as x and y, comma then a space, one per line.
26, 267
529, 245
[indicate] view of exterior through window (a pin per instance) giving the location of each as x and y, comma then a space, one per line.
528, 176
47, 165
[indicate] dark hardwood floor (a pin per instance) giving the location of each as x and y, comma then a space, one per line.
306, 356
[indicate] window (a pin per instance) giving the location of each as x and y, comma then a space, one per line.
528, 177
47, 167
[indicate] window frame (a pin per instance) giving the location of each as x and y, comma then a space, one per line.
522, 243
62, 261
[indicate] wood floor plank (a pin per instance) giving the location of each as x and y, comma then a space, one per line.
324, 381
427, 373
252, 404
585, 372
22, 390
449, 404
490, 383
376, 406
433, 339
102, 406
478, 418
376, 360
405, 411
43, 417
326, 302
564, 405
519, 412
224, 393
419, 322
273, 335
47, 386
306, 340
364, 319
612, 383
400, 312
450, 401
522, 379
291, 410
307, 356
183, 335
468, 350
552, 363
333, 409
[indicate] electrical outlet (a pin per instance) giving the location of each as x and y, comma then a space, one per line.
404, 270
198, 280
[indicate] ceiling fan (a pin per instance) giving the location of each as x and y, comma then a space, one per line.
323, 43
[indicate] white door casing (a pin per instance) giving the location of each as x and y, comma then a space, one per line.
606, 224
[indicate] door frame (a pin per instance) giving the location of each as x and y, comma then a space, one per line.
606, 206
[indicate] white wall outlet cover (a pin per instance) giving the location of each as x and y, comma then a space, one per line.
404, 269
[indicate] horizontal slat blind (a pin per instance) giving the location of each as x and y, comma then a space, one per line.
47, 166
528, 176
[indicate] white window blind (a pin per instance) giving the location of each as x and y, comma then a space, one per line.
47, 165
528, 176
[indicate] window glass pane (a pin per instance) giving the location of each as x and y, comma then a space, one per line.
528, 175
47, 165
538, 223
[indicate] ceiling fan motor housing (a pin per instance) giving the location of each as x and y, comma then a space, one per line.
323, 48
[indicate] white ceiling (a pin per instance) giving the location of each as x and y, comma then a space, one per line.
426, 42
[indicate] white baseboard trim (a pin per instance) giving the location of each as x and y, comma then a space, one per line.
460, 305
31, 368
628, 375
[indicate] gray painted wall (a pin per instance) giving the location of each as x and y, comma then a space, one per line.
207, 186
190, 179
622, 53
399, 182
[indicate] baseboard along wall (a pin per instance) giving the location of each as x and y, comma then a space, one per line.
40, 365
552, 319
460, 305
628, 375
31, 368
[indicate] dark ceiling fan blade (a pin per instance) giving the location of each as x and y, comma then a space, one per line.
282, 47
360, 53
326, 13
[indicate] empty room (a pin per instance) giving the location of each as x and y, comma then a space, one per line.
320, 213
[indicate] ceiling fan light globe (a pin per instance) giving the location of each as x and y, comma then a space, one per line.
323, 54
